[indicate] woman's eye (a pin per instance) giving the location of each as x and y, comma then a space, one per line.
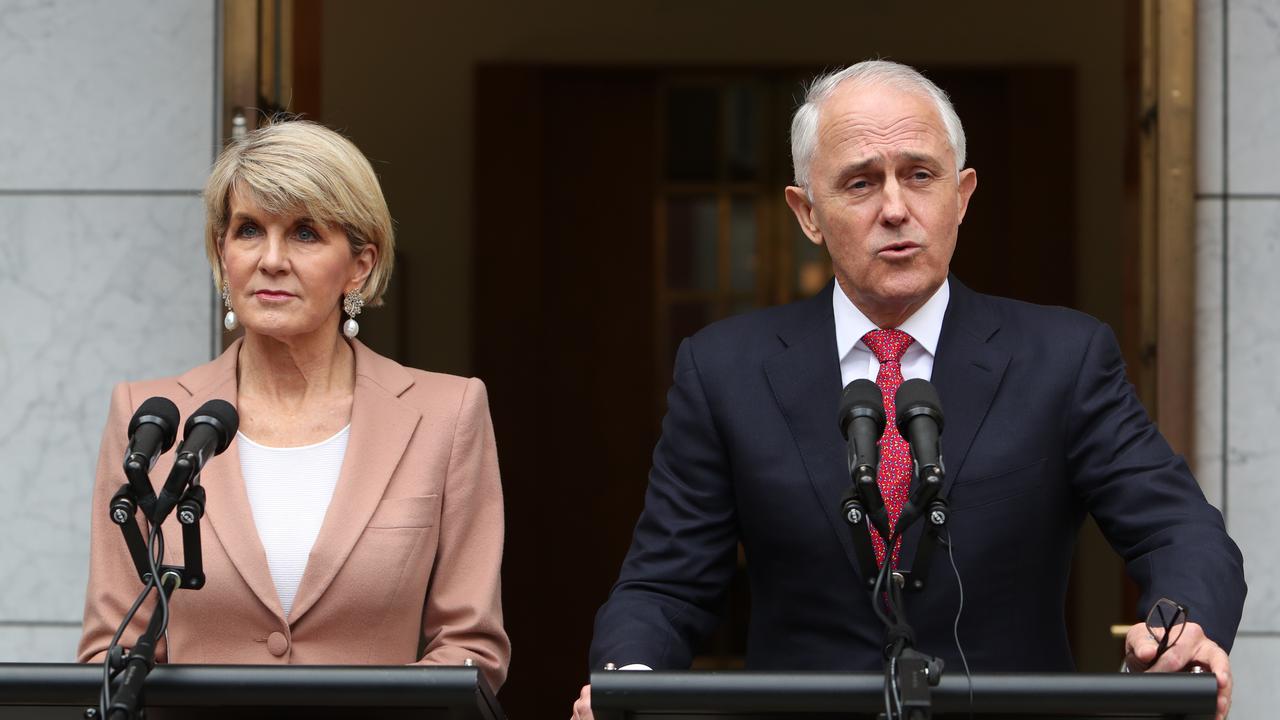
247, 230
306, 234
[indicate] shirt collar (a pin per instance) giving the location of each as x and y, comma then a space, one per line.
924, 325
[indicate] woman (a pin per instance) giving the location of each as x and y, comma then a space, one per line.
357, 517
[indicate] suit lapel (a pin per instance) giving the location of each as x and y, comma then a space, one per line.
967, 371
805, 378
381, 426
228, 508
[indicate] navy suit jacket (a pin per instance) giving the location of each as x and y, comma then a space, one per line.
1041, 427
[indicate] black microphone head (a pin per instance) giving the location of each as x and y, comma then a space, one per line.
861, 398
917, 397
219, 415
161, 412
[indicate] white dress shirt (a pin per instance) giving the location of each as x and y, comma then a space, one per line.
924, 326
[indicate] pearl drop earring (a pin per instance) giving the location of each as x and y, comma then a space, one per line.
229, 320
353, 303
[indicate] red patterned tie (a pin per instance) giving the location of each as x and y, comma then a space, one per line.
895, 456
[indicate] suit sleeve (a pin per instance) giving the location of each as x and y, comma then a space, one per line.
462, 617
683, 553
1145, 500
113, 580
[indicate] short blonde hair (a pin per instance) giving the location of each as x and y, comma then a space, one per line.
289, 165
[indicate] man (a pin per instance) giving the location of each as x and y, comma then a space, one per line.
1041, 427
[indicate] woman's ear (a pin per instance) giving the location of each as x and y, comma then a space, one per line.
365, 260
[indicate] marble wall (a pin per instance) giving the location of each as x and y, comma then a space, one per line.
106, 136
1238, 254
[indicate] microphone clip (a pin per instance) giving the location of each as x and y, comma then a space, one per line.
123, 513
928, 486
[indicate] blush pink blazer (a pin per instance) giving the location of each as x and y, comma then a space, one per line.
405, 568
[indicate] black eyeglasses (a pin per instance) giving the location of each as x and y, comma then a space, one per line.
1165, 623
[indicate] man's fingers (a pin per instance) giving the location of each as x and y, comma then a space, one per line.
1192, 648
1145, 652
582, 707
1210, 655
1215, 659
1222, 670
1140, 648
1174, 659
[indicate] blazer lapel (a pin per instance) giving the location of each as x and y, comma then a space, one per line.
381, 426
228, 508
805, 379
806, 384
967, 371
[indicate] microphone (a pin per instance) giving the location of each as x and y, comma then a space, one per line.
919, 420
862, 423
207, 433
152, 431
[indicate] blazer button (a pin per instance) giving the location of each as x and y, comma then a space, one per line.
277, 644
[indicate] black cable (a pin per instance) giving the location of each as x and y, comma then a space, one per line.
156, 542
888, 681
956, 627
881, 577
891, 619
876, 592
104, 696
897, 691
901, 627
155, 554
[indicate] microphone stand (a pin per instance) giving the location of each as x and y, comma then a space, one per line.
140, 660
909, 674
134, 666
854, 509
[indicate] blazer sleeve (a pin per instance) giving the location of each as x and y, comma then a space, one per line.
684, 550
113, 580
1145, 500
462, 617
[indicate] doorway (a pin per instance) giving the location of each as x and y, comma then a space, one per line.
618, 211
549, 249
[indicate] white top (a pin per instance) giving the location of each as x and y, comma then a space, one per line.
924, 325
289, 491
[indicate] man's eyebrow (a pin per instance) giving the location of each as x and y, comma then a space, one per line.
859, 166
921, 158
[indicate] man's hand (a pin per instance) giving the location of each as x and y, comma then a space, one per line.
582, 708
1191, 649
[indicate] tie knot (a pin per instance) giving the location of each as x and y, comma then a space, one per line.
888, 345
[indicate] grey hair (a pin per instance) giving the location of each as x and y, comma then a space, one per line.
804, 124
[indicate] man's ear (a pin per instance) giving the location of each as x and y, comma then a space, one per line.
968, 183
800, 205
